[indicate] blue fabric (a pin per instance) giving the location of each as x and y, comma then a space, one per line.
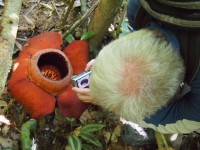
132, 8
169, 34
188, 106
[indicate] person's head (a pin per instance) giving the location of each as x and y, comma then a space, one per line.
135, 75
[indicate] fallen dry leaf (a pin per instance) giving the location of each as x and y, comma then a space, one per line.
6, 142
3, 107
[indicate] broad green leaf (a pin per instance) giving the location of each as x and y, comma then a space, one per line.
87, 35
74, 142
90, 138
89, 128
69, 38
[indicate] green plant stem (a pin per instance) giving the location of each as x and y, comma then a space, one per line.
161, 141
164, 141
26, 129
122, 18
83, 6
83, 11
79, 21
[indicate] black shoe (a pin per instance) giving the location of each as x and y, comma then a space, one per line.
137, 136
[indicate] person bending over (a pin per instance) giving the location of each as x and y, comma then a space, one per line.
138, 77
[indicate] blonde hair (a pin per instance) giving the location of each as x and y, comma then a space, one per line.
135, 75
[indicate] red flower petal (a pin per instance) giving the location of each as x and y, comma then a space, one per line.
78, 54
68, 102
43, 41
70, 105
20, 70
35, 100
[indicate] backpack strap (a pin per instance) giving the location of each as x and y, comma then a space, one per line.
186, 24
186, 18
186, 4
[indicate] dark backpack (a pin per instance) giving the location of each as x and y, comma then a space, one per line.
184, 17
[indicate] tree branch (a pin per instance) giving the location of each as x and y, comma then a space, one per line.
9, 26
103, 17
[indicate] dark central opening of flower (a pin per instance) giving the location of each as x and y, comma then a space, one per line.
53, 65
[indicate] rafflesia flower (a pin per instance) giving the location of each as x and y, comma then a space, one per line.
42, 72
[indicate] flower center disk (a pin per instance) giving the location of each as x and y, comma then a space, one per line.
50, 72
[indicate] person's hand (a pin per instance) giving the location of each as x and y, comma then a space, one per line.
84, 95
89, 65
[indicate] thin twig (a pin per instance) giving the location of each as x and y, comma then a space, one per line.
122, 18
83, 11
79, 21
33, 7
19, 46
67, 13
20, 39
53, 3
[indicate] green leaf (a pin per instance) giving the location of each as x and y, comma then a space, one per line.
87, 35
74, 142
97, 143
69, 38
90, 138
86, 147
71, 120
89, 128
